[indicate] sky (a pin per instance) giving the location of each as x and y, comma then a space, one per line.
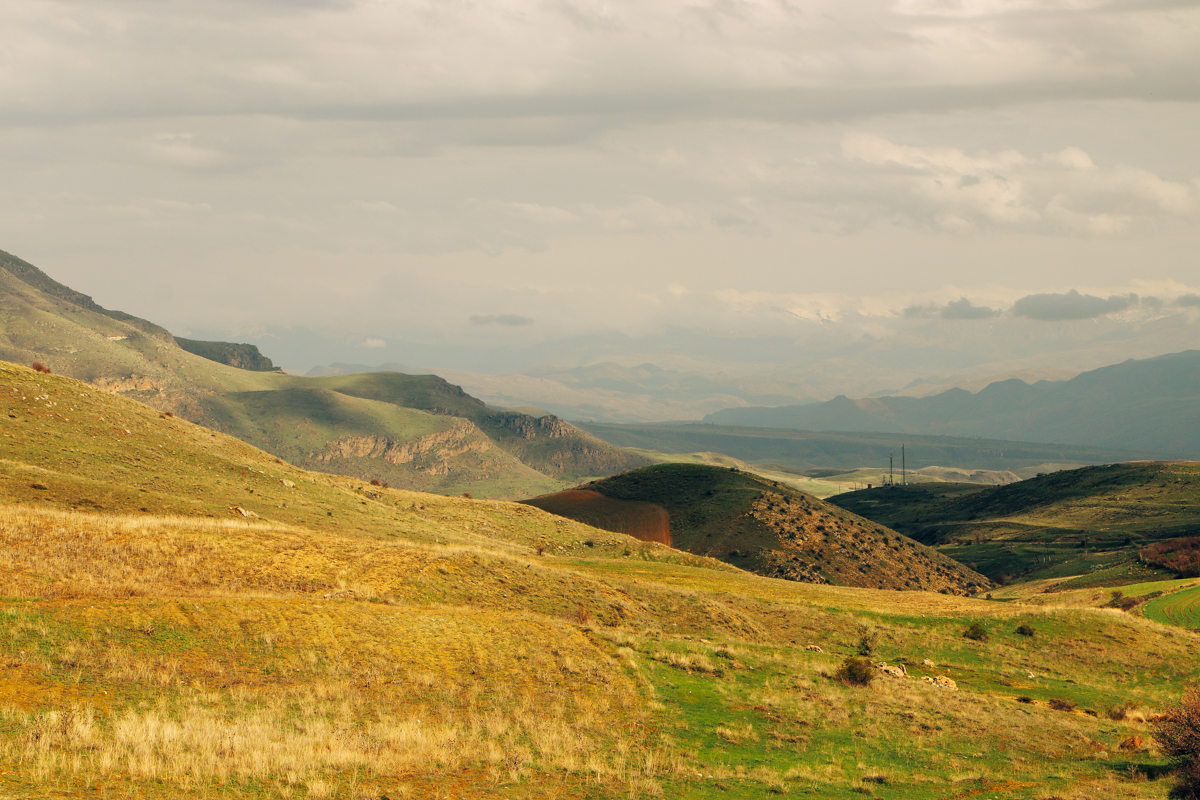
358, 179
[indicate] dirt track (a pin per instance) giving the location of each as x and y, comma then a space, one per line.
649, 522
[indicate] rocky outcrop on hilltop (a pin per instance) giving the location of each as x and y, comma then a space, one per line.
433, 453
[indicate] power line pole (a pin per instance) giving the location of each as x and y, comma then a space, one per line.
903, 469
891, 469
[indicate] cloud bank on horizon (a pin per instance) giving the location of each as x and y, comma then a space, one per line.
404, 169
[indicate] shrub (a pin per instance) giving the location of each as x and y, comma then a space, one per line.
1119, 712
1181, 556
1024, 699
1178, 733
375, 482
855, 671
40, 367
976, 632
1025, 630
867, 637
1059, 704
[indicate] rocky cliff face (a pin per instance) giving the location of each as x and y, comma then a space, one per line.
242, 356
432, 454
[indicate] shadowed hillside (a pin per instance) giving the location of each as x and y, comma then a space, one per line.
1089, 521
764, 527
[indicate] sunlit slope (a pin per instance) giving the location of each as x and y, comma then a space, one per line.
321, 429
768, 528
354, 641
1090, 520
546, 443
486, 452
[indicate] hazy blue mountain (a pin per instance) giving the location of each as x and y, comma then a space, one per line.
1149, 404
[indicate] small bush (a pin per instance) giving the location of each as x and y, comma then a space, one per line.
1025, 630
1059, 704
1178, 733
467, 495
1024, 699
375, 482
1119, 712
40, 367
855, 671
867, 638
976, 632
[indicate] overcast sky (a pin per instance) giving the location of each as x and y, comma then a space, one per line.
521, 170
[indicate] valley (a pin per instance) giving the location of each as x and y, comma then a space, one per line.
169, 588
222, 580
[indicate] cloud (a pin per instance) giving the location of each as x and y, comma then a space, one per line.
1188, 300
1072, 305
372, 344
954, 310
963, 309
510, 320
921, 312
1058, 192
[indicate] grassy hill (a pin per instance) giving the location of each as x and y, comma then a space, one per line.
415, 431
759, 525
1089, 521
348, 640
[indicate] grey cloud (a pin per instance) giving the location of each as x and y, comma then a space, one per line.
1072, 305
921, 312
963, 309
510, 320
1188, 300
954, 310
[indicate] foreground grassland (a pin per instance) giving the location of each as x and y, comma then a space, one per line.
353, 641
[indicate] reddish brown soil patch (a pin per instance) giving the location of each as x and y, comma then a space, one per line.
649, 522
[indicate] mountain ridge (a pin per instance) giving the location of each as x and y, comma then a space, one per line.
1139, 404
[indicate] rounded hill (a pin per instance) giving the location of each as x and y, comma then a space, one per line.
761, 526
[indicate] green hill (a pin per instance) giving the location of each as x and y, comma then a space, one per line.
415, 431
771, 529
185, 616
1090, 521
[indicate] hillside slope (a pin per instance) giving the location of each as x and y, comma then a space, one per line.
1151, 405
355, 641
764, 527
231, 388
1085, 521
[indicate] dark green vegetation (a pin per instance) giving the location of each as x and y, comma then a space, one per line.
412, 431
773, 530
815, 453
1150, 403
1091, 522
356, 641
242, 356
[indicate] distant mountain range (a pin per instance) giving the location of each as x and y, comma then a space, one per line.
411, 431
1149, 405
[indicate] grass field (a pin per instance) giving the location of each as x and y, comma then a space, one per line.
1083, 526
1179, 608
351, 641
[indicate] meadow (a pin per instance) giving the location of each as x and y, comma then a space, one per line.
184, 616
